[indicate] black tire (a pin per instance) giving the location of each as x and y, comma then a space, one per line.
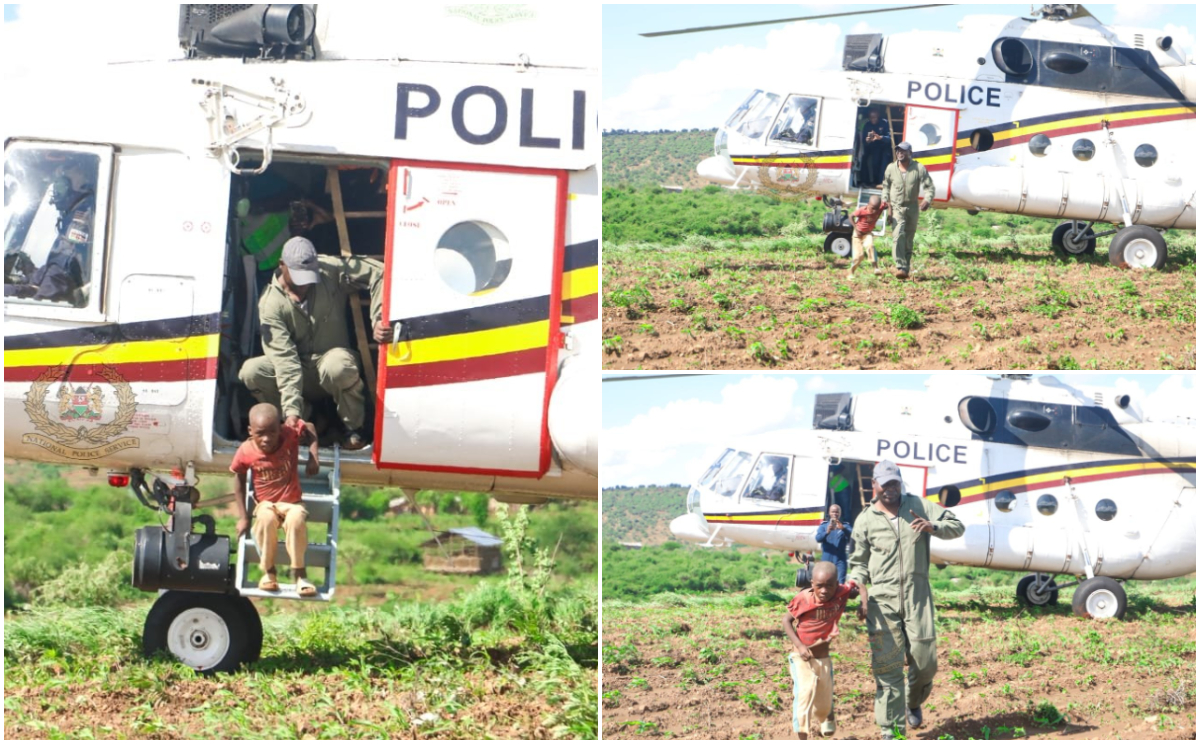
839, 244
1059, 240
1101, 598
204, 631
254, 638
1138, 247
1026, 596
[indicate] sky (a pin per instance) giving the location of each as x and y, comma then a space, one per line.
660, 431
696, 80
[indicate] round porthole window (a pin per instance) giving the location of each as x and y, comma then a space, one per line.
1038, 145
1083, 149
1106, 509
473, 258
1005, 501
1145, 155
1047, 504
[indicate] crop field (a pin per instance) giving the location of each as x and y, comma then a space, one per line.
718, 280
714, 667
401, 653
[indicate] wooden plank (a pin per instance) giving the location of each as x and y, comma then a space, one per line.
360, 215
334, 185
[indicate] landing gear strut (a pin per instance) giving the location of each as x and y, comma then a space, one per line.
1074, 239
1037, 590
1100, 598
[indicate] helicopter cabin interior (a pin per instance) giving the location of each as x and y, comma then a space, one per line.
341, 206
878, 128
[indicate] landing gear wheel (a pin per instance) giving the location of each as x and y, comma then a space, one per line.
205, 631
1082, 245
1028, 595
1138, 247
1101, 598
254, 627
839, 244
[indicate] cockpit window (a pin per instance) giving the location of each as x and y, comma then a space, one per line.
758, 118
707, 479
797, 122
769, 480
740, 111
732, 474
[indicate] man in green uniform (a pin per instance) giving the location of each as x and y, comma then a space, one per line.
902, 181
303, 326
891, 553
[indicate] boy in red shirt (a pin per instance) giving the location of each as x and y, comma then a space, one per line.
273, 453
862, 240
811, 623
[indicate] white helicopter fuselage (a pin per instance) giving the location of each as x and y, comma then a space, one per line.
1027, 505
479, 391
972, 126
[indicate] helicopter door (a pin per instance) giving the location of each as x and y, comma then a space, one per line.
933, 133
472, 289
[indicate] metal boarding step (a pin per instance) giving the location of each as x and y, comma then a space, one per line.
321, 495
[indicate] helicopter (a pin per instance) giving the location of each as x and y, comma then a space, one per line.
1056, 116
466, 170
1049, 478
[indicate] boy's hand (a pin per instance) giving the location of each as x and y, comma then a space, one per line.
243, 526
308, 434
313, 467
803, 652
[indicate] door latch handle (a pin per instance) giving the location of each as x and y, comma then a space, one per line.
398, 330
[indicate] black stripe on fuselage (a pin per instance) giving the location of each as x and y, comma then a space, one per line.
486, 318
115, 333
1063, 467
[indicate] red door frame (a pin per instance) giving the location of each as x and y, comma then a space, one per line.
953, 142
554, 342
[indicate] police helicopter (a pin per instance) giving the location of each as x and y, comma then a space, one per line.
455, 145
1057, 116
1049, 478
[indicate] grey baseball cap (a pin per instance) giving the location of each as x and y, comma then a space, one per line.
886, 472
300, 257
904, 146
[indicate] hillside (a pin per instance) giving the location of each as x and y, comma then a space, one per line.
641, 514
655, 158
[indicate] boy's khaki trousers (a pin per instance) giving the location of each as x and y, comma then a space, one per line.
269, 516
812, 691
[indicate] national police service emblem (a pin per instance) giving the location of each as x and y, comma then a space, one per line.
80, 404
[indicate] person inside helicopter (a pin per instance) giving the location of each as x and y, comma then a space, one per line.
876, 139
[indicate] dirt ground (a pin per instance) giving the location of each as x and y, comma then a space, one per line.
704, 673
777, 308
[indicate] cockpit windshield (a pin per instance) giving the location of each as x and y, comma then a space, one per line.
759, 117
740, 111
798, 121
733, 472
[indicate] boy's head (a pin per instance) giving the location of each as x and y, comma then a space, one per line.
824, 581
264, 427
874, 201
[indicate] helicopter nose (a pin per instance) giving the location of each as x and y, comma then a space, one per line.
718, 169
690, 528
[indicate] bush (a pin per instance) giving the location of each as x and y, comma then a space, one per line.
85, 585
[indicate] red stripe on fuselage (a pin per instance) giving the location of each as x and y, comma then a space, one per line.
1054, 482
176, 370
494, 366
581, 309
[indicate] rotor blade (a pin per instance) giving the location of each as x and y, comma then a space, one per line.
630, 378
785, 20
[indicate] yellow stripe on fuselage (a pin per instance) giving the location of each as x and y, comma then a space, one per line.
1072, 473
794, 159
163, 350
762, 517
581, 282
469, 345
1080, 121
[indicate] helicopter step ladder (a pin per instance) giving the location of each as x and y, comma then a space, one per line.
320, 496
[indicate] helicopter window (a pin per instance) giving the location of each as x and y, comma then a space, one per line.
1047, 504
732, 474
1012, 56
707, 478
53, 225
1004, 501
932, 134
769, 480
1083, 149
982, 140
797, 122
1145, 155
1038, 144
740, 111
758, 118
1106, 509
473, 258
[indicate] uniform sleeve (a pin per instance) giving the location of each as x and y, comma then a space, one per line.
280, 347
948, 526
860, 557
358, 273
822, 531
926, 183
887, 180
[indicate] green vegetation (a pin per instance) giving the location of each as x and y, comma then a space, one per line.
656, 158
641, 514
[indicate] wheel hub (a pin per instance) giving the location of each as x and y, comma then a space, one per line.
841, 247
1102, 603
198, 637
1140, 254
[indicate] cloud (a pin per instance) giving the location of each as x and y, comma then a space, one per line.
1174, 398
45, 38
654, 439
816, 383
682, 97
1134, 14
1181, 38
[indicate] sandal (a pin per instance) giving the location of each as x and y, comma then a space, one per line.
305, 588
268, 583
